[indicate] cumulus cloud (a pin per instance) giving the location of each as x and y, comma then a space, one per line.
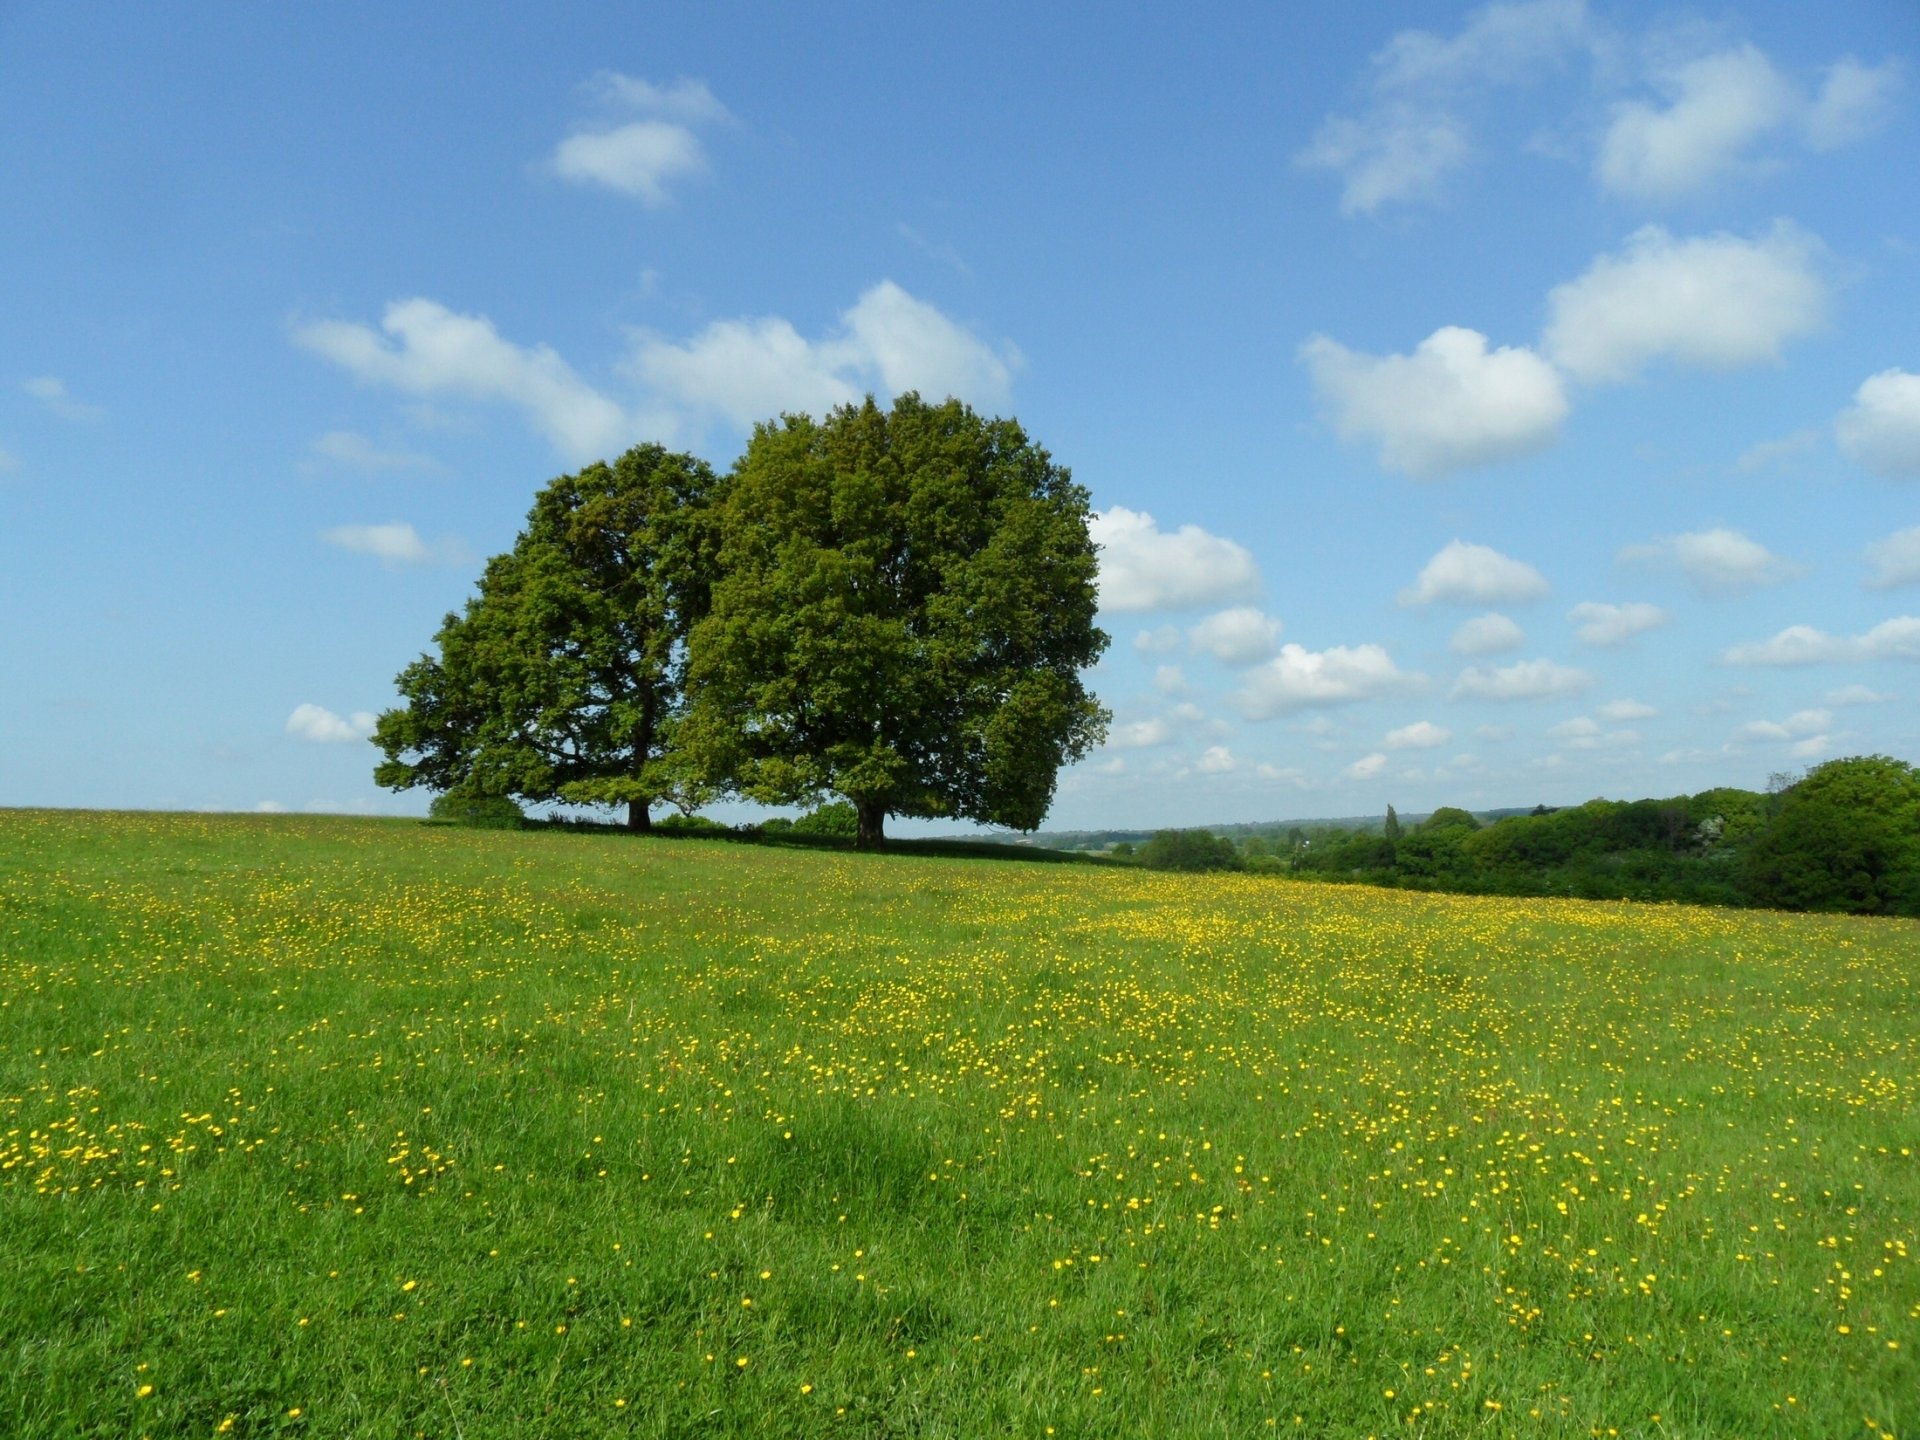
1451, 404
395, 544
1241, 636
1795, 727
1467, 574
1585, 733
1216, 760
749, 370
1718, 561
1523, 680
353, 451
1487, 634
1855, 695
1718, 107
1854, 101
1618, 710
1139, 734
1608, 625
1421, 735
322, 726
641, 157
1366, 767
1896, 639
738, 371
1298, 678
1159, 640
1413, 133
1170, 680
51, 391
1895, 560
1143, 567
1881, 429
1716, 301
423, 348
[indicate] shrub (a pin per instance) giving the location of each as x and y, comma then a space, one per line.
483, 812
778, 825
691, 825
837, 818
1189, 850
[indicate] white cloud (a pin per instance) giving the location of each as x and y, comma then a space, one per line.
1421, 735
1143, 567
1854, 101
1795, 727
423, 348
1366, 767
1139, 734
1896, 639
1769, 454
1716, 301
1449, 405
51, 391
686, 100
1608, 625
1719, 106
356, 452
1170, 680
1895, 560
395, 544
1467, 574
1881, 429
1241, 636
1719, 560
1487, 634
269, 807
315, 723
1157, 641
740, 371
644, 157
1298, 678
749, 370
1584, 733
640, 158
1627, 710
1855, 695
1217, 760
1523, 680
1412, 136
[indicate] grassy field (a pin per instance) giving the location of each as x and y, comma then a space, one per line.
333, 1127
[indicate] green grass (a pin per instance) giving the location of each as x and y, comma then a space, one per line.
332, 1127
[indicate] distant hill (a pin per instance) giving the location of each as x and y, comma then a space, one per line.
1105, 839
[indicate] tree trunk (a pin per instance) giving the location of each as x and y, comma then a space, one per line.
638, 818
871, 834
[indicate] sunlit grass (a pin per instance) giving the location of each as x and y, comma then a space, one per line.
343, 1127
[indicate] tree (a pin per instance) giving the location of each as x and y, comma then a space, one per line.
1392, 827
561, 680
1846, 837
1189, 850
905, 604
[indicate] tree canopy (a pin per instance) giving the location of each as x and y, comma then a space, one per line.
902, 606
562, 678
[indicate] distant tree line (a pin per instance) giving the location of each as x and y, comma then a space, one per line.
892, 607
1845, 837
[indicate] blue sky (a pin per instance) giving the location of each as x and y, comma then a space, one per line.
1481, 406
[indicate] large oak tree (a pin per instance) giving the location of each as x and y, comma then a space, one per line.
902, 608
562, 679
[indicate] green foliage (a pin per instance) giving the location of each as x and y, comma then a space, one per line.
1449, 817
903, 606
561, 679
1846, 838
834, 818
1122, 849
691, 825
777, 825
1189, 850
484, 812
1391, 829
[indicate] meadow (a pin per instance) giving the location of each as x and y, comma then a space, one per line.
331, 1127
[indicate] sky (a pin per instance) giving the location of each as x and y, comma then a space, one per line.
1480, 406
